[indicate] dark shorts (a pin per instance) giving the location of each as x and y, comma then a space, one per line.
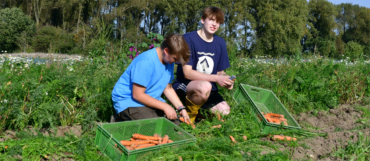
214, 99
138, 113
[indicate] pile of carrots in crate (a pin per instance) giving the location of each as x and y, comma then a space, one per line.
139, 141
275, 118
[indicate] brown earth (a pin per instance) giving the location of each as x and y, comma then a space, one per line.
341, 126
59, 132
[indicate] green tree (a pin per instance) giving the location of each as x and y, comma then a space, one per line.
321, 20
279, 26
13, 25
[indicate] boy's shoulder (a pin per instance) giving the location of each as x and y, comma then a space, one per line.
191, 34
194, 36
218, 38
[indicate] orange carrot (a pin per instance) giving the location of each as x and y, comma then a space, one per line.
218, 116
144, 146
129, 148
6, 147
182, 119
192, 125
216, 126
273, 120
180, 159
142, 142
144, 137
244, 137
133, 146
154, 142
285, 121
165, 139
232, 139
155, 135
125, 142
275, 115
280, 137
170, 141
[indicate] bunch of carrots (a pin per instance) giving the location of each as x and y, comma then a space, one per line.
139, 141
275, 118
187, 122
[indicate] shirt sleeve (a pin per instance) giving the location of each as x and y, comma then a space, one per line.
224, 60
141, 73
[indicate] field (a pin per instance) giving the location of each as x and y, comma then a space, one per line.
42, 100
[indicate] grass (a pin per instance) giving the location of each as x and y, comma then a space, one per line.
359, 150
79, 92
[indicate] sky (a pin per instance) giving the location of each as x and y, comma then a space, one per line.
364, 3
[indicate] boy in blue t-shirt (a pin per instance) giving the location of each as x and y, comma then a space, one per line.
196, 82
137, 93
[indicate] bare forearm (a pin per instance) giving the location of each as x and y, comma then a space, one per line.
195, 75
171, 95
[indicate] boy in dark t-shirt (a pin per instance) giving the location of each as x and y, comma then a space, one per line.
196, 80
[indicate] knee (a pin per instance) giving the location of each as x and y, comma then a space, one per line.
198, 91
222, 108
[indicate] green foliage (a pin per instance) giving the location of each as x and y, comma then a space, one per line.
38, 147
353, 50
14, 24
53, 40
309, 85
55, 94
101, 41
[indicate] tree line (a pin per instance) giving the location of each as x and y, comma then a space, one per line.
253, 27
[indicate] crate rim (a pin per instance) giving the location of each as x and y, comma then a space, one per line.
259, 112
130, 152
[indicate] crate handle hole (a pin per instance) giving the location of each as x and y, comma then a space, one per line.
254, 89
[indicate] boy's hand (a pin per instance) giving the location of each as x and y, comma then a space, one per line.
185, 115
230, 87
224, 81
170, 113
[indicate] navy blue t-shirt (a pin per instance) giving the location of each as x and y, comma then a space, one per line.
205, 57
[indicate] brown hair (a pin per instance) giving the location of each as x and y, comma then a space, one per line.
176, 45
214, 11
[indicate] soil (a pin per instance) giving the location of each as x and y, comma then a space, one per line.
58, 132
339, 124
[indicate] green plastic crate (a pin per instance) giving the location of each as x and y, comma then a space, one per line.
265, 101
108, 136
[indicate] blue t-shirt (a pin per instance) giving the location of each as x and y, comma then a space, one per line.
205, 57
146, 70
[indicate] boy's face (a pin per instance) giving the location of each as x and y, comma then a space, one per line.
169, 59
210, 25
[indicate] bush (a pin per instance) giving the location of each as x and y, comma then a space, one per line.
53, 40
16, 29
353, 50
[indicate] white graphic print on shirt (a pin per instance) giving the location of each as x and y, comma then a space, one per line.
205, 64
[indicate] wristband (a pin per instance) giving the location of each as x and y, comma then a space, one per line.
182, 107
